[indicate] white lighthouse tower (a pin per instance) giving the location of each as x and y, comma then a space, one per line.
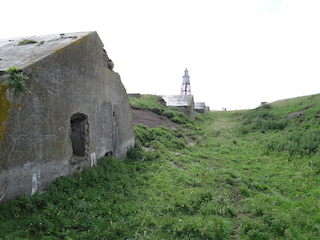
185, 88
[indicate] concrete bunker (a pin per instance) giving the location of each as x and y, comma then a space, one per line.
184, 102
200, 107
76, 110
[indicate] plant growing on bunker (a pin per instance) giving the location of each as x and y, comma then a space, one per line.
27, 41
62, 35
110, 64
15, 80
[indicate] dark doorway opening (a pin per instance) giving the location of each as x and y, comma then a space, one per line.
79, 134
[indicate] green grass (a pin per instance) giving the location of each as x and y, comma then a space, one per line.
150, 102
157, 105
207, 179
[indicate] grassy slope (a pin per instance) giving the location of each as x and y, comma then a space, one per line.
219, 178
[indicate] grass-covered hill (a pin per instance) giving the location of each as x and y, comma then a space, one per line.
229, 175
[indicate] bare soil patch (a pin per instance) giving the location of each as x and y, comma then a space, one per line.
299, 113
151, 119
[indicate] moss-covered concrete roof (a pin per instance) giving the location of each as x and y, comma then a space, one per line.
21, 52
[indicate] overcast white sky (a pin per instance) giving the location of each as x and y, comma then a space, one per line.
239, 53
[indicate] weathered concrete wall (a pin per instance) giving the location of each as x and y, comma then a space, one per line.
76, 111
134, 95
200, 107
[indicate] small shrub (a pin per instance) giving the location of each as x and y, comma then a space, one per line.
179, 120
135, 153
169, 114
265, 106
157, 110
110, 64
16, 80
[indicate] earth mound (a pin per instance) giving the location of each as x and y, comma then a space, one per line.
151, 119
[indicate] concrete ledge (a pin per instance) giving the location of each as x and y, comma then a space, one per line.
134, 95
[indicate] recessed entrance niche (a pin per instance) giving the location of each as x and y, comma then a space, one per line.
79, 134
